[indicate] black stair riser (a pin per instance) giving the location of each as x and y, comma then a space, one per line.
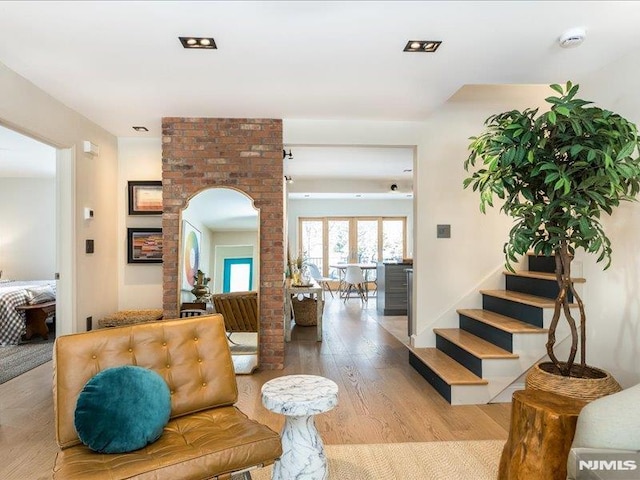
520, 311
535, 286
469, 361
540, 263
442, 387
487, 332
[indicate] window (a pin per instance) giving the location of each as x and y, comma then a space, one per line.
327, 241
238, 275
311, 235
338, 241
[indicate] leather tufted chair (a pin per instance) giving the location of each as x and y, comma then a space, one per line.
207, 437
239, 309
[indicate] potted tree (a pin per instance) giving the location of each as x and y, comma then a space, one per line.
556, 173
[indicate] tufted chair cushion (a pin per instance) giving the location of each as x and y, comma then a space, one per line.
190, 354
206, 436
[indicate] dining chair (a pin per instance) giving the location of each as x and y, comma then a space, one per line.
314, 271
354, 278
193, 309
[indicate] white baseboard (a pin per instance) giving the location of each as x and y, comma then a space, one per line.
506, 395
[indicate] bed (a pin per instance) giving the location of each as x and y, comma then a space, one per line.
13, 293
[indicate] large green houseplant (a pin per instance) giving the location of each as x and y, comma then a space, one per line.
556, 172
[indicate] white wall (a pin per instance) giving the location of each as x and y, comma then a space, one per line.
612, 297
449, 268
233, 244
139, 285
88, 284
28, 228
347, 208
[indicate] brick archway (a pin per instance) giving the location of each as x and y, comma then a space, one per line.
244, 154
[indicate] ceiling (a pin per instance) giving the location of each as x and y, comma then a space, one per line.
223, 209
120, 63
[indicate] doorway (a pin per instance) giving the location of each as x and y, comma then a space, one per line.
37, 236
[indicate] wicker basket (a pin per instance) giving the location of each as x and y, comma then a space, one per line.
305, 311
594, 383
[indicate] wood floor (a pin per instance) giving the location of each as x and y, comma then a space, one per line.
381, 398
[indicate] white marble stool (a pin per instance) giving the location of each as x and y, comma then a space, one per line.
299, 398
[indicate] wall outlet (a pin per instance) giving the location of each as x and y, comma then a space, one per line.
89, 323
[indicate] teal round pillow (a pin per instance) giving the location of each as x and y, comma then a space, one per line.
122, 409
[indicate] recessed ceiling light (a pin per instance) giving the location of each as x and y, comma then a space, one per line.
198, 42
428, 46
140, 129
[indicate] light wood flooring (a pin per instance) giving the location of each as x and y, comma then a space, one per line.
381, 398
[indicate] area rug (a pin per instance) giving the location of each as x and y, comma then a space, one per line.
18, 359
472, 460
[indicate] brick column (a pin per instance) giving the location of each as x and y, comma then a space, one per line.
244, 154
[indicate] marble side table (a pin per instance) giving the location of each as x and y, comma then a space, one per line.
299, 398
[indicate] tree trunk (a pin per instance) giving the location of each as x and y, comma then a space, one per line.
540, 436
563, 260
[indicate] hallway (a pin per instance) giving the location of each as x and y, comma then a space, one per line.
382, 398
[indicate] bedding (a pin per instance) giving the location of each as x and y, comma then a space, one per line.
12, 295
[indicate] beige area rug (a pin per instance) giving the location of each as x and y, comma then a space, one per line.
472, 460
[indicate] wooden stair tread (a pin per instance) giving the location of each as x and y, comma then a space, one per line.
533, 300
501, 322
446, 367
541, 275
472, 344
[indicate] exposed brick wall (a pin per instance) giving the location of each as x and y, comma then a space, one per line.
244, 154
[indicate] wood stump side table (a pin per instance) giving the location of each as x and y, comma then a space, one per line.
299, 398
542, 428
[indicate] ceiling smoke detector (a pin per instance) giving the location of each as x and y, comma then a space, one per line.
572, 38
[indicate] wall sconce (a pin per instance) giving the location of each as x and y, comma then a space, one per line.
287, 155
288, 179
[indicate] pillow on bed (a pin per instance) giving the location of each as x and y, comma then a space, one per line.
41, 294
122, 409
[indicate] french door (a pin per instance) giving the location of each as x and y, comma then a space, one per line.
328, 241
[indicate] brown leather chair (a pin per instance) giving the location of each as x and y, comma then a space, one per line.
207, 436
239, 309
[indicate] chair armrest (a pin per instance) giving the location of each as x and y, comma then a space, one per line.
611, 422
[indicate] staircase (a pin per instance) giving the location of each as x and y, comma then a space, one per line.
494, 345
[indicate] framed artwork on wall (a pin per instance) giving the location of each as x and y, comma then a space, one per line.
191, 244
145, 197
144, 245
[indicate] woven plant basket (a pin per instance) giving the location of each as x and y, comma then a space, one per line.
305, 310
594, 383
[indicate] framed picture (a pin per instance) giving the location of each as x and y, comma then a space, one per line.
191, 244
144, 245
145, 197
